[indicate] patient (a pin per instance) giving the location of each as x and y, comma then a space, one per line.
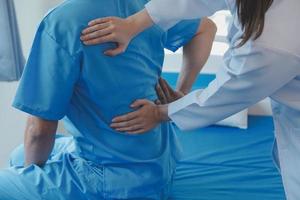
66, 79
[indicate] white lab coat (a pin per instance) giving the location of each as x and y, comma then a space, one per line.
266, 67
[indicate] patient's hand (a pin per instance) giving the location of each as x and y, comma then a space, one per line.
146, 117
165, 92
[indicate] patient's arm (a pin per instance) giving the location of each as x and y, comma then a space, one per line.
195, 55
39, 140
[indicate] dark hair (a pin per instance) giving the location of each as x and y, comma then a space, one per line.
251, 15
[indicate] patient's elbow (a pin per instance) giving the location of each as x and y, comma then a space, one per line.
208, 26
212, 27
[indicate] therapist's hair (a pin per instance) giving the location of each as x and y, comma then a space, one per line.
251, 15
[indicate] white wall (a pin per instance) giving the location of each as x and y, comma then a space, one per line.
12, 122
29, 14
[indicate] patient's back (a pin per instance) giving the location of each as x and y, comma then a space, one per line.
110, 84
90, 89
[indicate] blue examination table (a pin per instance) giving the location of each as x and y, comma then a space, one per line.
221, 163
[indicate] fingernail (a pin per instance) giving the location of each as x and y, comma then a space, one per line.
107, 54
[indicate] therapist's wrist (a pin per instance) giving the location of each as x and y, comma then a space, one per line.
139, 22
162, 113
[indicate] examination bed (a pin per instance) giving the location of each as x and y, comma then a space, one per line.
222, 163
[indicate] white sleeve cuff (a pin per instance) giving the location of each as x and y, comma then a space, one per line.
179, 113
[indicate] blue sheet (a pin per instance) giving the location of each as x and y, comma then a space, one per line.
221, 163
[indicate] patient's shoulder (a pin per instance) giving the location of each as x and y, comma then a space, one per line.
68, 15
65, 22
75, 13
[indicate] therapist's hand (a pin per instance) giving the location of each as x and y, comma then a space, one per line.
165, 92
115, 29
110, 29
147, 116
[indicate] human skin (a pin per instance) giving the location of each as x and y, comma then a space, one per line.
39, 140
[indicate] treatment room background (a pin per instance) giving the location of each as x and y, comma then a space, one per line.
29, 13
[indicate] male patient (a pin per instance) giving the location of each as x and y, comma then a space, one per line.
65, 79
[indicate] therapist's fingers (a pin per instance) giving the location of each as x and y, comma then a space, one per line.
130, 129
139, 131
126, 124
139, 103
100, 21
96, 34
166, 90
94, 28
166, 84
100, 40
157, 102
113, 52
132, 115
127, 117
170, 93
160, 93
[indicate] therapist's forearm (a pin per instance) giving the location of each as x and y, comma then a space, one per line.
230, 93
139, 22
39, 140
195, 55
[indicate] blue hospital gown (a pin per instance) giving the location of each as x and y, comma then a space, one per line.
66, 80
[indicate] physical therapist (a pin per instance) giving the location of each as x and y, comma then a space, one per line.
263, 61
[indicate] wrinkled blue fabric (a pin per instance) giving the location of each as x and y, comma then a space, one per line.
217, 163
65, 79
11, 56
228, 163
221, 163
